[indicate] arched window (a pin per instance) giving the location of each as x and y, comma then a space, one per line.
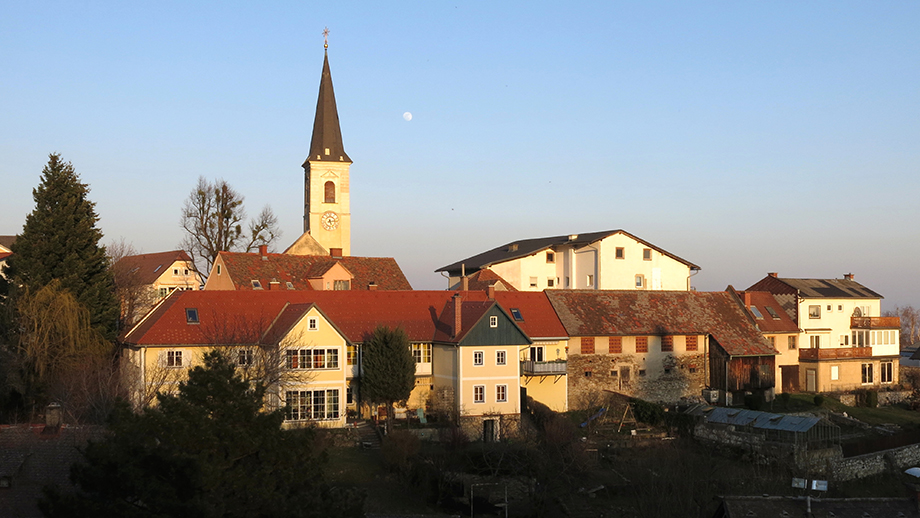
330, 192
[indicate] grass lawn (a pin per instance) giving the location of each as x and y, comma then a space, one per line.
895, 414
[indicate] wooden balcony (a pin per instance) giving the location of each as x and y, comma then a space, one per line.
835, 354
875, 323
532, 368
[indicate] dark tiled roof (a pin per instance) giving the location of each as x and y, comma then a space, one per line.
7, 241
528, 247
762, 300
327, 134
816, 288
471, 312
149, 267
298, 269
638, 313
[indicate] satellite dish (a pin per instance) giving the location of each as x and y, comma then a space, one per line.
857, 312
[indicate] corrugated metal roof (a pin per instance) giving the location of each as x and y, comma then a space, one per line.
754, 418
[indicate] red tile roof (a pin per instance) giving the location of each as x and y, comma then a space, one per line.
4, 255
483, 279
298, 269
149, 267
539, 317
638, 313
781, 323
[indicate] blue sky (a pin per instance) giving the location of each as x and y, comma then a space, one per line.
745, 137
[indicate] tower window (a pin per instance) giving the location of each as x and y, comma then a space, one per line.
329, 188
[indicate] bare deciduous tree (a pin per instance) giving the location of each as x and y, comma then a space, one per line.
213, 218
134, 296
910, 324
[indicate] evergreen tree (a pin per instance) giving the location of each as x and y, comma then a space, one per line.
389, 368
60, 241
209, 451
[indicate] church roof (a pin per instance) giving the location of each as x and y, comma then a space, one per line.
528, 247
326, 131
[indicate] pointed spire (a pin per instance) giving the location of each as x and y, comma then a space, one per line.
327, 135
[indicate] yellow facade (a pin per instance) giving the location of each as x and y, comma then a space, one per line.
544, 371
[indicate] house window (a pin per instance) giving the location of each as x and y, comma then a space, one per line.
550, 257
176, 272
256, 285
757, 314
772, 340
867, 374
341, 285
479, 393
493, 321
839, 307
640, 281
587, 374
587, 345
163, 292
615, 345
421, 353
590, 281
191, 315
533, 282
620, 253
173, 358
835, 372
312, 359
516, 315
566, 282
550, 282
218, 269
844, 340
646, 254
815, 341
887, 372
641, 344
829, 308
536, 353
667, 344
329, 192
186, 272
814, 311
790, 342
860, 338
501, 393
351, 355
501, 358
349, 397
772, 312
306, 405
478, 357
312, 324
641, 372
691, 343
244, 358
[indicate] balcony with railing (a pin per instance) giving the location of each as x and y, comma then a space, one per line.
875, 323
532, 368
835, 353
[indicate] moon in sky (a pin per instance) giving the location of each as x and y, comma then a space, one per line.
407, 116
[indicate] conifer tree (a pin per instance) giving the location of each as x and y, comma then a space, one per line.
60, 241
389, 368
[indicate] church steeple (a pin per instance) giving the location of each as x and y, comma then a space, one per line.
327, 196
327, 135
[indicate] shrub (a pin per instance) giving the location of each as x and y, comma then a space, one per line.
784, 398
648, 413
819, 400
755, 401
398, 449
871, 398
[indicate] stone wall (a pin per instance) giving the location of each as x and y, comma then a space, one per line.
506, 426
885, 398
667, 379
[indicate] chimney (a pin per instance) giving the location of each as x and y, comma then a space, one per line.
491, 292
336, 253
464, 283
372, 286
263, 251
747, 299
274, 284
458, 308
773, 274
848, 276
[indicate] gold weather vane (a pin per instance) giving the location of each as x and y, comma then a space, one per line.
326, 38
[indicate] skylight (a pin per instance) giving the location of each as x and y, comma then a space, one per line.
191, 315
772, 312
256, 285
290, 285
756, 313
516, 314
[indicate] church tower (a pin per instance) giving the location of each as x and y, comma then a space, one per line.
326, 202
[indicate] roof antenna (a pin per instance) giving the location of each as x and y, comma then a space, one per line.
326, 38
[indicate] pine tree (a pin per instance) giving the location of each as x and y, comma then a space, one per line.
60, 241
389, 368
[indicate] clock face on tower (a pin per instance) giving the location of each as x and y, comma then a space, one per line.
330, 220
